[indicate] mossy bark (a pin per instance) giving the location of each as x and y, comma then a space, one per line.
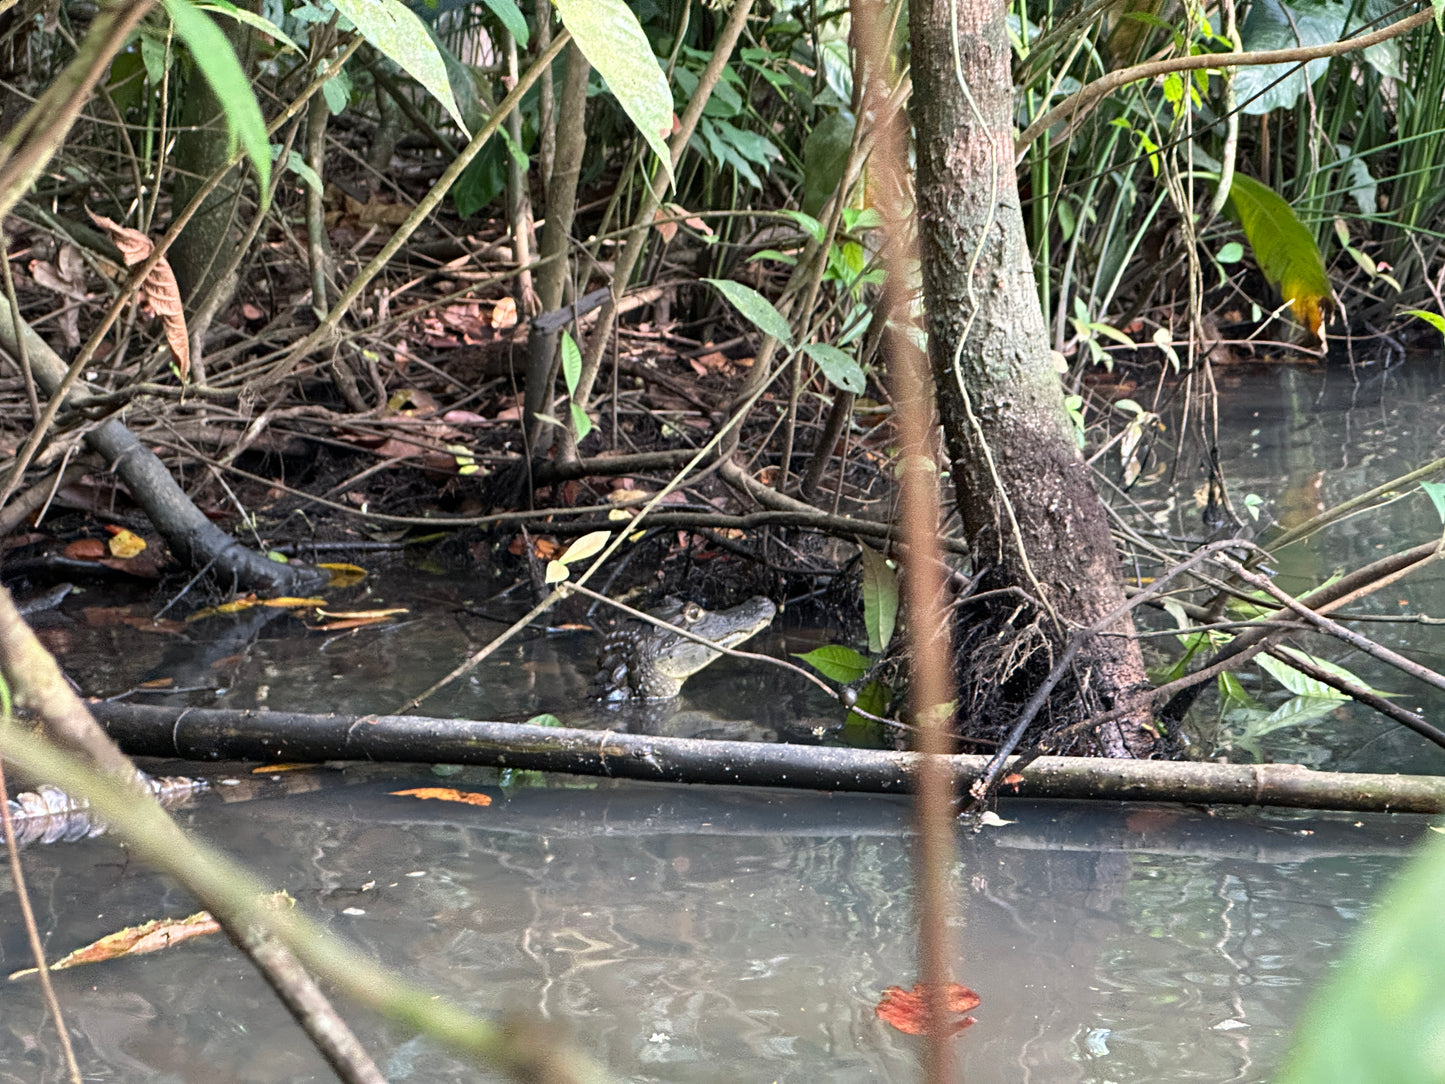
1033, 518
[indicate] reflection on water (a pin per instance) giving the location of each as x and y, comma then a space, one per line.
703, 934
706, 934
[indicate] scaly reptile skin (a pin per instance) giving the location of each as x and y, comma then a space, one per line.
645, 662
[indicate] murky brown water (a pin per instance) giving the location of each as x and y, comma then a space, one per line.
703, 934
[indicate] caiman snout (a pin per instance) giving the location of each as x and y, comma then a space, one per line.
651, 663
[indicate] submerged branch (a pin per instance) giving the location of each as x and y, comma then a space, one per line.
210, 734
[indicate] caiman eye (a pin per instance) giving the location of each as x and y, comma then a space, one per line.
691, 613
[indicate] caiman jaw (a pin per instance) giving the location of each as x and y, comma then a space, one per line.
651, 663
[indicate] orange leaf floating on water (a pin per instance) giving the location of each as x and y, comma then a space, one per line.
907, 1010
445, 794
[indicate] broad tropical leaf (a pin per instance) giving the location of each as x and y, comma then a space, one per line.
1285, 251
217, 60
399, 33
612, 40
757, 308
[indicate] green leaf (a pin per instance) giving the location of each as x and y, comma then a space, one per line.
1272, 24
1380, 1017
580, 421
1434, 319
1301, 684
510, 17
1296, 711
153, 56
571, 363
611, 38
1436, 492
297, 165
337, 92
836, 662
545, 719
838, 367
758, 310
872, 698
1285, 251
396, 31
257, 22
825, 155
880, 599
774, 254
808, 224
217, 60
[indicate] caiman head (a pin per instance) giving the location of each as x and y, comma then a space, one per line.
651, 663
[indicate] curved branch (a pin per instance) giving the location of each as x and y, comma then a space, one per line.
1080, 102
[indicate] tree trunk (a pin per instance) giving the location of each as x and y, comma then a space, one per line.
203, 145
1033, 518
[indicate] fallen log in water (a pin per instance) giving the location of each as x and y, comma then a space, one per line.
211, 734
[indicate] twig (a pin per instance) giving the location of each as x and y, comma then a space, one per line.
1334, 628
32, 932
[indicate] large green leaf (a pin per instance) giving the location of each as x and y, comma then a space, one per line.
839, 367
757, 308
1381, 1017
1270, 24
880, 598
241, 15
508, 14
825, 155
841, 664
397, 31
612, 40
1285, 251
218, 64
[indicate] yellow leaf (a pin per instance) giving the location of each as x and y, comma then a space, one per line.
556, 572
125, 544
344, 575
586, 546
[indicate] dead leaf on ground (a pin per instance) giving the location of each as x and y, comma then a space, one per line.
504, 313
158, 292
235, 606
85, 549
343, 574
289, 602
714, 362
543, 548
907, 1010
151, 936
623, 496
445, 794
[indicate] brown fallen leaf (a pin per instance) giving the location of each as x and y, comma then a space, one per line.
149, 937
158, 292
134, 940
85, 549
